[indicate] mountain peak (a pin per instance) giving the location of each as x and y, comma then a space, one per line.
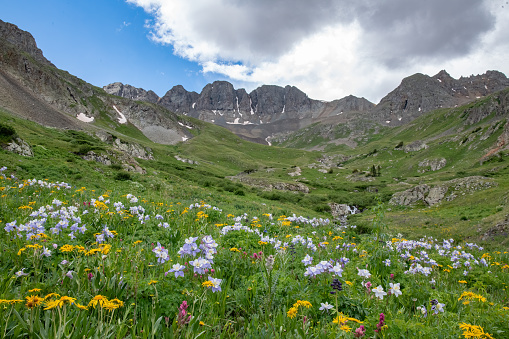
22, 40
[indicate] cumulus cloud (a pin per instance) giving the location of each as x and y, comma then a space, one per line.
330, 48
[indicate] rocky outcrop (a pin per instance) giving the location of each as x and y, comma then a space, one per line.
133, 150
415, 146
23, 40
187, 161
127, 162
100, 158
436, 194
269, 185
448, 191
130, 92
432, 165
19, 146
296, 172
410, 196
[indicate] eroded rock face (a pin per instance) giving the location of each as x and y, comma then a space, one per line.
19, 146
23, 40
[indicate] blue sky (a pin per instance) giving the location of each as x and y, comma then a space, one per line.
327, 48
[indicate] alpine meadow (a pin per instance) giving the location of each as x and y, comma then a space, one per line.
262, 214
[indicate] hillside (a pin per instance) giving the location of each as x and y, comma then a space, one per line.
137, 143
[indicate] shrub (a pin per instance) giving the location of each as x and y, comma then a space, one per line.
123, 176
7, 133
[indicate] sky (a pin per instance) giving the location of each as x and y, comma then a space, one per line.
327, 48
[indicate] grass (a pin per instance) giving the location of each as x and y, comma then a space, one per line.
116, 275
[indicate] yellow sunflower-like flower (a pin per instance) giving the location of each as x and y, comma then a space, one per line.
345, 328
98, 299
52, 304
33, 301
66, 248
292, 312
56, 295
81, 307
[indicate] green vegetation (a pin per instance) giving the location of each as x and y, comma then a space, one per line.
197, 188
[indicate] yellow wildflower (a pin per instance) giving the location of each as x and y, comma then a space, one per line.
52, 304
33, 301
292, 312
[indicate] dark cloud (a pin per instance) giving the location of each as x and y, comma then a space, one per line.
400, 31
265, 29
395, 32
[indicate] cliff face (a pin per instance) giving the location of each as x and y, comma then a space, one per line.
131, 92
23, 40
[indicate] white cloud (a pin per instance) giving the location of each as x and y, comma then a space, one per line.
330, 49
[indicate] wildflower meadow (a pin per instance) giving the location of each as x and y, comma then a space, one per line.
81, 263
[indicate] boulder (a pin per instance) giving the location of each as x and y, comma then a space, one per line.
410, 196
19, 146
436, 194
432, 165
415, 146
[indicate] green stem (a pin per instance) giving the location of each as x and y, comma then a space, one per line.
7, 321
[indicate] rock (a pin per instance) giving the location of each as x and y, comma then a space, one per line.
130, 92
187, 161
296, 187
341, 210
269, 186
104, 136
448, 191
500, 229
436, 194
100, 158
297, 172
415, 146
23, 40
132, 149
433, 164
410, 196
19, 146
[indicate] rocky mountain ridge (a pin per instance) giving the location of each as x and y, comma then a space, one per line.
419, 94
256, 116
270, 111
